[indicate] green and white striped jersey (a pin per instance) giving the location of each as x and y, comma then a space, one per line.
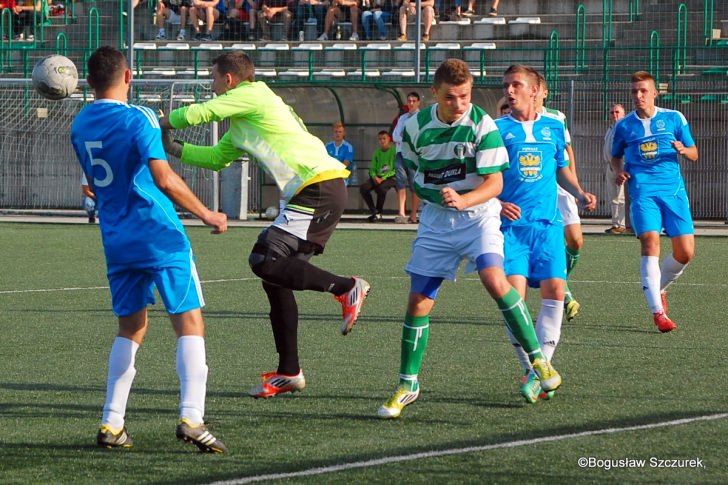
454, 155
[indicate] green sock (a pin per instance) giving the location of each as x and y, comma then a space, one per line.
567, 293
572, 257
519, 322
415, 333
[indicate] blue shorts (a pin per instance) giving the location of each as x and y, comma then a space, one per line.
535, 251
403, 177
654, 211
132, 288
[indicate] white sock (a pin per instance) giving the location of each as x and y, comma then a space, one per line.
650, 271
548, 326
520, 353
671, 271
192, 373
119, 380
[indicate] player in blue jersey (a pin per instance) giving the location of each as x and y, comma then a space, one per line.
343, 151
567, 205
120, 150
531, 221
645, 152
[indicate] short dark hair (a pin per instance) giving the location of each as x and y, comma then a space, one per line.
413, 94
236, 63
105, 66
453, 71
530, 72
383, 132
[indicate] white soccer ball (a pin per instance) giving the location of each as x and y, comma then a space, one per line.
271, 213
55, 77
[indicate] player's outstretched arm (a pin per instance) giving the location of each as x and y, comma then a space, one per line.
177, 190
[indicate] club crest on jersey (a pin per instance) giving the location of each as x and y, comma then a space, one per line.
529, 165
648, 149
660, 124
546, 133
460, 151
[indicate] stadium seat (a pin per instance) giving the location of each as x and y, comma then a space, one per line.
171, 54
369, 73
274, 54
376, 54
329, 73
441, 51
267, 73
303, 52
293, 74
404, 53
399, 74
450, 29
241, 47
341, 54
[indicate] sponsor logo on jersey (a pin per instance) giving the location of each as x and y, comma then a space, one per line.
445, 175
648, 149
529, 165
509, 136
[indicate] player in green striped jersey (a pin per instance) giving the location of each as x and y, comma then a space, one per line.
458, 157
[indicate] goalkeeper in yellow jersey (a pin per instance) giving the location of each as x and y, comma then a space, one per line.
312, 184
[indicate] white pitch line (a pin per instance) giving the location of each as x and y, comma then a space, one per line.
462, 451
468, 279
52, 290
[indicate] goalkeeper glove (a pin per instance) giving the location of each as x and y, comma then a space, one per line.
171, 146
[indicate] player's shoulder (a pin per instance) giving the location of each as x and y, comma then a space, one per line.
550, 120
671, 114
145, 114
554, 113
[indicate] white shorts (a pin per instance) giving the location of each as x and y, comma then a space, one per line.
446, 237
568, 208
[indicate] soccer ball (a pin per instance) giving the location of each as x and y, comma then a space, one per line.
55, 77
271, 213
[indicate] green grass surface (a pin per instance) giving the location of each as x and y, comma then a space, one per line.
619, 372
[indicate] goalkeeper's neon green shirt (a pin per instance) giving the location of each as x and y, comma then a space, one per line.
265, 127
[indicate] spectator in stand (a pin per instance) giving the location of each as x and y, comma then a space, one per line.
243, 11
172, 10
381, 176
209, 11
494, 8
468, 13
404, 177
311, 9
336, 13
408, 8
342, 150
23, 16
274, 11
378, 11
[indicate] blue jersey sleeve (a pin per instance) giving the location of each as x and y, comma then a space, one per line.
148, 136
682, 130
